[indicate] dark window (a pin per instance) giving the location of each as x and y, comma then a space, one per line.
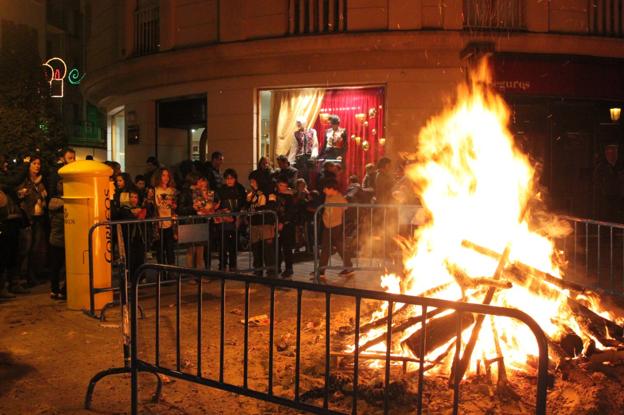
317, 16
147, 27
494, 14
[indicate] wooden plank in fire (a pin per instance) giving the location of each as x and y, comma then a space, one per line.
568, 285
604, 330
399, 312
459, 370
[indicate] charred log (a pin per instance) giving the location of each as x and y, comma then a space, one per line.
605, 331
572, 344
399, 328
596, 324
523, 268
398, 314
437, 332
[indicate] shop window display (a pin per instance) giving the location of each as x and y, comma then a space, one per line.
312, 125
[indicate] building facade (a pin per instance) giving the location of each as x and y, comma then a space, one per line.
182, 78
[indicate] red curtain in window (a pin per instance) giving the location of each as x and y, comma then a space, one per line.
346, 103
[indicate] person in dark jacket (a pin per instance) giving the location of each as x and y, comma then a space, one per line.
68, 156
134, 234
152, 165
263, 176
33, 196
384, 181
56, 251
123, 187
213, 172
261, 229
356, 193
369, 177
231, 199
329, 173
286, 215
304, 232
12, 220
608, 184
140, 185
286, 171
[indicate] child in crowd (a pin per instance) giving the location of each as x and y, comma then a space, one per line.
261, 229
286, 215
140, 185
57, 243
369, 178
333, 230
123, 186
165, 203
196, 199
205, 203
231, 199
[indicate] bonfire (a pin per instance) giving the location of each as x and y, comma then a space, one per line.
488, 239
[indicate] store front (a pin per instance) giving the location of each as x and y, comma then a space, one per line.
116, 140
360, 111
181, 129
561, 116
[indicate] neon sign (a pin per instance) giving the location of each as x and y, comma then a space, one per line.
56, 76
58, 71
74, 77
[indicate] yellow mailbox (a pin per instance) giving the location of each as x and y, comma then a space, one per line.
87, 198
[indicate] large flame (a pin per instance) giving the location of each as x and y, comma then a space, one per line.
477, 186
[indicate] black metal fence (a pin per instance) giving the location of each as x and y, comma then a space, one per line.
367, 237
131, 243
595, 253
154, 352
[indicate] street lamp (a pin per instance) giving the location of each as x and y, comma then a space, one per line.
615, 113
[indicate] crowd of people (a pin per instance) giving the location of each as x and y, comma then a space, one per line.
31, 214
32, 246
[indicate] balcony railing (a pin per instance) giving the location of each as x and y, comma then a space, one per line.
87, 134
606, 17
317, 16
494, 14
147, 30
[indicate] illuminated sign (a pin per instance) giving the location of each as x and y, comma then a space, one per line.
58, 71
56, 76
74, 77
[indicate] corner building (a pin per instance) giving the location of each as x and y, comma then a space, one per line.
182, 78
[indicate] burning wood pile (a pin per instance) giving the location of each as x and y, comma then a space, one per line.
489, 240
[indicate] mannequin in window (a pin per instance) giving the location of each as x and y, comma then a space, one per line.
307, 147
307, 140
335, 140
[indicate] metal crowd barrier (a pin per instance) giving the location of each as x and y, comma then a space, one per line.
192, 232
595, 251
368, 233
144, 359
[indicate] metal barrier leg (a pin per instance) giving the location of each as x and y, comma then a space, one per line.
116, 371
127, 368
105, 308
98, 376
